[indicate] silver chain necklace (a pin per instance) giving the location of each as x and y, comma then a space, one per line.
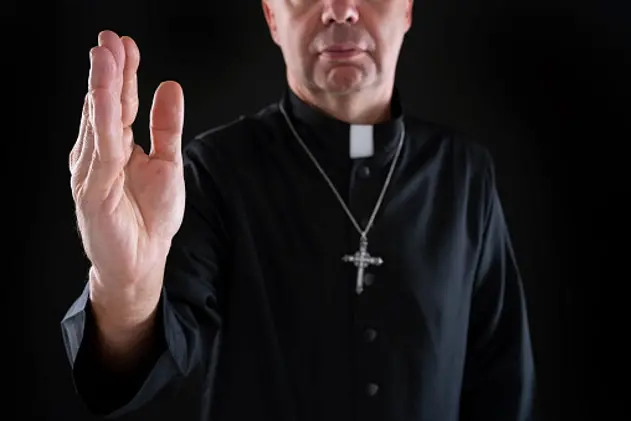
362, 259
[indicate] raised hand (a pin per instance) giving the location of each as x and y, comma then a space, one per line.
129, 204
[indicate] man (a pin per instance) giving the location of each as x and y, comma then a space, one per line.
327, 258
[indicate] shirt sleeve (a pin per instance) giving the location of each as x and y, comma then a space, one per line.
499, 380
189, 319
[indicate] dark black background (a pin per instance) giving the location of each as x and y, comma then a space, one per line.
540, 82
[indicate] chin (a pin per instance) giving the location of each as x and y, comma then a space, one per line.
344, 79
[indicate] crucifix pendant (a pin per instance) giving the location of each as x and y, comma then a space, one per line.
362, 259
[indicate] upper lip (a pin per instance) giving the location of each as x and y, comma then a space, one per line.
336, 48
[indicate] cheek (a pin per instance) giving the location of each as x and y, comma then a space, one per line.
388, 40
296, 45
293, 49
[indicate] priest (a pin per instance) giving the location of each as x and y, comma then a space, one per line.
329, 257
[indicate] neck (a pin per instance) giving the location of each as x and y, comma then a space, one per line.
369, 106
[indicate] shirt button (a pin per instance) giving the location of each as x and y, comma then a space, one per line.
372, 389
364, 171
370, 335
369, 278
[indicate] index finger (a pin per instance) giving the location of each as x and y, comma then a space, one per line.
105, 107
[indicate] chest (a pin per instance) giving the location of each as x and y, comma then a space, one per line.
426, 232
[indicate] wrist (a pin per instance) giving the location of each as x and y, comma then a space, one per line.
124, 308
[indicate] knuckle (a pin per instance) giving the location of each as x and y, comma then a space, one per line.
129, 100
89, 131
72, 158
85, 113
110, 162
81, 197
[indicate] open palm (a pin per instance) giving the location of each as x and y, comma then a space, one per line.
129, 204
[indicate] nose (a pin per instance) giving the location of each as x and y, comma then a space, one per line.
340, 11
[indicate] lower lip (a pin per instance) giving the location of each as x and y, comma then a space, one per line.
341, 55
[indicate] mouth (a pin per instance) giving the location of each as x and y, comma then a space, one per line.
341, 52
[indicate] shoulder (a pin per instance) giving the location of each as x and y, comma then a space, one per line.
239, 137
449, 148
453, 161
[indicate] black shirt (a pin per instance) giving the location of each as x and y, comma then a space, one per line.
257, 298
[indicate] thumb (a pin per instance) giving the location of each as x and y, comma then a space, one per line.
166, 122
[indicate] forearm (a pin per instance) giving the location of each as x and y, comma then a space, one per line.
124, 319
121, 351
107, 382
499, 382
499, 377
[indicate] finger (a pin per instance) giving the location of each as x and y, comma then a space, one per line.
87, 151
84, 156
129, 94
166, 122
78, 145
112, 42
105, 112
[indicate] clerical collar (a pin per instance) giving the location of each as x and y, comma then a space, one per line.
330, 138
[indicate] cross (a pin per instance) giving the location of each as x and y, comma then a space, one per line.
362, 259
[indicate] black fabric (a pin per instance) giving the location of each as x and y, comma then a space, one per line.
103, 389
257, 296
